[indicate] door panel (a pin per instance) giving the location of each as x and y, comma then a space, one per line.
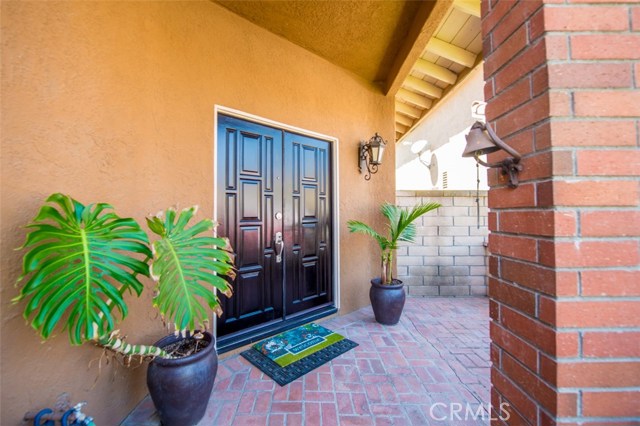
249, 162
307, 223
274, 181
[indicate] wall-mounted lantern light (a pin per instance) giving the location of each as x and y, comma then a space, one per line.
370, 155
483, 140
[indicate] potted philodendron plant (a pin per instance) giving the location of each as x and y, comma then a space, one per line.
82, 259
386, 293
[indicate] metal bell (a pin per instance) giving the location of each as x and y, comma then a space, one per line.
478, 142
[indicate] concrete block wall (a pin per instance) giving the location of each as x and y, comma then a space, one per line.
449, 257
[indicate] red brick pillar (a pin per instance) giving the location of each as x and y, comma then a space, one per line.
563, 88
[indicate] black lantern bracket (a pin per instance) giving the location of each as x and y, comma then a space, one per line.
370, 155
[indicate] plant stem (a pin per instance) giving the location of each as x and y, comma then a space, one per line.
386, 277
114, 343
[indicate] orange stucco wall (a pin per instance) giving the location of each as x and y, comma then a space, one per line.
113, 102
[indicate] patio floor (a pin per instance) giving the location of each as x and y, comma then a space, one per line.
430, 369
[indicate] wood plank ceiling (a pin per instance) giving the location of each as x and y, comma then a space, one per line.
454, 48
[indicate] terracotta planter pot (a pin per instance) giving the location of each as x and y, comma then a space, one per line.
180, 388
387, 301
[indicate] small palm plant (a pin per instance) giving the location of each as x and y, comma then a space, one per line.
401, 228
81, 260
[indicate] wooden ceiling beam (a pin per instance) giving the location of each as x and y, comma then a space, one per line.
409, 110
401, 128
464, 74
451, 52
423, 28
414, 98
422, 87
470, 7
404, 120
436, 71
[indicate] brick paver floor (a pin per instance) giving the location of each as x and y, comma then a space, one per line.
430, 369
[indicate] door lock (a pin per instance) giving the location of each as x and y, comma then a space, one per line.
279, 243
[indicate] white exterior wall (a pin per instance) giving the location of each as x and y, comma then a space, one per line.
445, 129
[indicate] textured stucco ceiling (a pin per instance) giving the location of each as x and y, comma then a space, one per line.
361, 36
415, 50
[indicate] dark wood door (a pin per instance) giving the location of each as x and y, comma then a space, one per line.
307, 194
249, 196
271, 181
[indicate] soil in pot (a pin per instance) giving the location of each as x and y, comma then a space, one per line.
186, 347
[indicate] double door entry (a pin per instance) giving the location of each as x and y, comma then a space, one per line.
274, 203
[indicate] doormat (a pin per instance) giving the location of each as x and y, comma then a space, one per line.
292, 354
293, 345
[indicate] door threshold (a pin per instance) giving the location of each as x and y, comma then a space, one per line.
255, 334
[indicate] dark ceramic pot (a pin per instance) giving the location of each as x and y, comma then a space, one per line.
180, 388
387, 301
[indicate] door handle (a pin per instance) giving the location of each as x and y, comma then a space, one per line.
279, 242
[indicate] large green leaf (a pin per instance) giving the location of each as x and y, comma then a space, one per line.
80, 261
189, 266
